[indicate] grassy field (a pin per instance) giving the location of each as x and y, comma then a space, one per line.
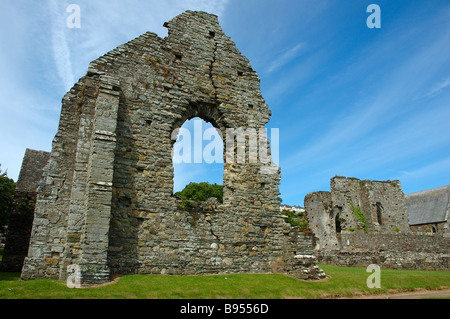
342, 282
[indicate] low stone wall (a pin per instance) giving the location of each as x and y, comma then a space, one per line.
394, 242
409, 260
395, 251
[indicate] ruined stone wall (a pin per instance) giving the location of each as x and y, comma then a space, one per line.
355, 205
432, 228
393, 242
381, 235
108, 205
390, 250
406, 260
22, 212
322, 220
382, 204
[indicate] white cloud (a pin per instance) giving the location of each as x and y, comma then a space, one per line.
61, 51
286, 57
435, 90
438, 88
388, 100
421, 178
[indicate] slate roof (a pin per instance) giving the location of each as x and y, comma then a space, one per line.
428, 207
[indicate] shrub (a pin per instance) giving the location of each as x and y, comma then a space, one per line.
296, 220
201, 192
359, 214
7, 187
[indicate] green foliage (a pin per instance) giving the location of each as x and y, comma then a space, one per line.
296, 219
186, 204
395, 229
200, 192
359, 214
7, 187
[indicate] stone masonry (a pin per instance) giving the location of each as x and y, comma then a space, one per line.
22, 213
382, 204
322, 219
362, 222
107, 205
355, 205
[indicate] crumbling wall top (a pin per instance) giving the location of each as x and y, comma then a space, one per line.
31, 170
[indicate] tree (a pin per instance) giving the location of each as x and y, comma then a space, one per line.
7, 187
201, 192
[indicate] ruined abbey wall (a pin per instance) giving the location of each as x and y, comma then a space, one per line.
22, 211
107, 205
366, 222
382, 203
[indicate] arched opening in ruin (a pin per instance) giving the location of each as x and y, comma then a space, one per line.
198, 154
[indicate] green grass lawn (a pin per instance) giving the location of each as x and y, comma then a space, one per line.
342, 282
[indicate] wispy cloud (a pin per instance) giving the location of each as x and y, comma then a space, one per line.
423, 177
106, 26
385, 104
439, 87
435, 90
286, 57
61, 51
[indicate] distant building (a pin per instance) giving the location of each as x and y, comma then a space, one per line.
429, 210
295, 208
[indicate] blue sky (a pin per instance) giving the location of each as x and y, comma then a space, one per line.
348, 100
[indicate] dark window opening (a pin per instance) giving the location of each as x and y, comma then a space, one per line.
178, 57
212, 34
379, 213
250, 106
240, 73
337, 222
